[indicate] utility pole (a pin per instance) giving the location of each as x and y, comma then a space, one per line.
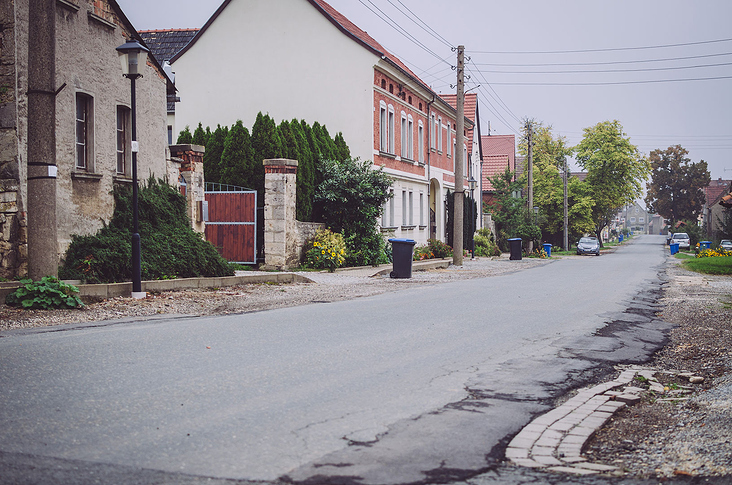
531, 178
42, 239
459, 194
566, 214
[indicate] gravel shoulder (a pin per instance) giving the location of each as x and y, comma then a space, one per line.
689, 435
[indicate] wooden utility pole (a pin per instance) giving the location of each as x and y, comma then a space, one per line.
531, 179
566, 214
459, 194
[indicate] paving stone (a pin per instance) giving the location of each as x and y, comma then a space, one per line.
567, 469
581, 431
574, 439
545, 420
597, 467
547, 460
522, 443
608, 408
527, 462
572, 459
526, 434
613, 393
549, 441
602, 414
563, 425
634, 390
569, 450
593, 422
512, 453
542, 451
628, 398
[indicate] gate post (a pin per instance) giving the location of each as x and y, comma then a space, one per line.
191, 169
280, 228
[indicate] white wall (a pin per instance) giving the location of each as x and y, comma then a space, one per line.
283, 58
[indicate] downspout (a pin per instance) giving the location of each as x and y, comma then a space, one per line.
429, 154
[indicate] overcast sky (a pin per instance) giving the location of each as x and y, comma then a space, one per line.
517, 47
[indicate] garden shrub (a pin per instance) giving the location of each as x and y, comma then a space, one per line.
484, 243
327, 251
170, 248
439, 248
45, 294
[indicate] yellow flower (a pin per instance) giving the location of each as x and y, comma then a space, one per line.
322, 252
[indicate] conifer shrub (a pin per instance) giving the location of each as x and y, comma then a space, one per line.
170, 248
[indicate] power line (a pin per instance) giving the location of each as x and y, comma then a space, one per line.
605, 71
391, 23
609, 63
421, 24
603, 83
616, 49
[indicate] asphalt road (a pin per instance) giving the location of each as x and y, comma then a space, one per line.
419, 385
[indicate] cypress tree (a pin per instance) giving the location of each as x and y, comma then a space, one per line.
199, 136
305, 174
266, 143
185, 137
212, 166
237, 158
325, 143
290, 148
341, 148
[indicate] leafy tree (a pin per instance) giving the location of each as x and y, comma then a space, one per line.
185, 137
511, 213
549, 154
352, 195
615, 170
212, 156
199, 136
676, 189
237, 158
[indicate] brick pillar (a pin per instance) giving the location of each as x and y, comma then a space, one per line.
280, 229
191, 168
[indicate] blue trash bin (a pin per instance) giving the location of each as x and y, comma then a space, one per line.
514, 244
548, 249
674, 248
620, 238
402, 251
705, 245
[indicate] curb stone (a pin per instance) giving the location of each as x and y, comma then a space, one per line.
554, 440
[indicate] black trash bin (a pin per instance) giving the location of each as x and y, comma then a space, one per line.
515, 246
402, 251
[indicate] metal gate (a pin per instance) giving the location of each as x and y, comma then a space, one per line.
232, 222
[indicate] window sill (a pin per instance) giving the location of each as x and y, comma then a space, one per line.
389, 228
77, 175
68, 4
122, 179
422, 228
101, 20
386, 154
408, 228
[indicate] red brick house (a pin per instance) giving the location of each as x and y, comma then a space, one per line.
499, 153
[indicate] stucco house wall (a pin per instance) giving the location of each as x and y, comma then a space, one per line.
302, 59
87, 65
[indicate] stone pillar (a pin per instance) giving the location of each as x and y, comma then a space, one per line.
191, 169
280, 227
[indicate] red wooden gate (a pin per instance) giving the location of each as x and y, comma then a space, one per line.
232, 222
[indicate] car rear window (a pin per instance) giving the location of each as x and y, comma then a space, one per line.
681, 235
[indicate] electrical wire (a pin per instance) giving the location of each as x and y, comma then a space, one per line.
605, 71
421, 24
608, 63
611, 83
615, 49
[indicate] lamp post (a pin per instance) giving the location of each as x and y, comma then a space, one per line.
472, 184
133, 57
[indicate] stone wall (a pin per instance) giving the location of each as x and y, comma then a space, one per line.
13, 234
191, 169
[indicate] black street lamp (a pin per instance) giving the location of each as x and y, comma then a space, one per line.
133, 57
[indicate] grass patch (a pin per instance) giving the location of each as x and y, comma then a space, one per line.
718, 266
684, 256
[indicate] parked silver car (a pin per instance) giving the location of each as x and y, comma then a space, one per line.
588, 245
682, 239
726, 244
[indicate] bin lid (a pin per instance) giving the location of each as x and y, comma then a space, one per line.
402, 240
515, 239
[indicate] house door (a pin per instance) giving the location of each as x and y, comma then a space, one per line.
434, 197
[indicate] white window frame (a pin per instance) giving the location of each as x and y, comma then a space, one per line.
391, 208
411, 208
391, 131
449, 137
410, 137
421, 209
404, 207
403, 151
383, 132
433, 132
420, 141
440, 136
123, 140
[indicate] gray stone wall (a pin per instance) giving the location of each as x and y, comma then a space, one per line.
13, 235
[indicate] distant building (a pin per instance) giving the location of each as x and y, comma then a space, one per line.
499, 154
712, 211
634, 218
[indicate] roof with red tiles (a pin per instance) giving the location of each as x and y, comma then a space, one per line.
499, 153
715, 190
470, 109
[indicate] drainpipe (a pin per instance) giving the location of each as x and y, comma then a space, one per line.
429, 154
